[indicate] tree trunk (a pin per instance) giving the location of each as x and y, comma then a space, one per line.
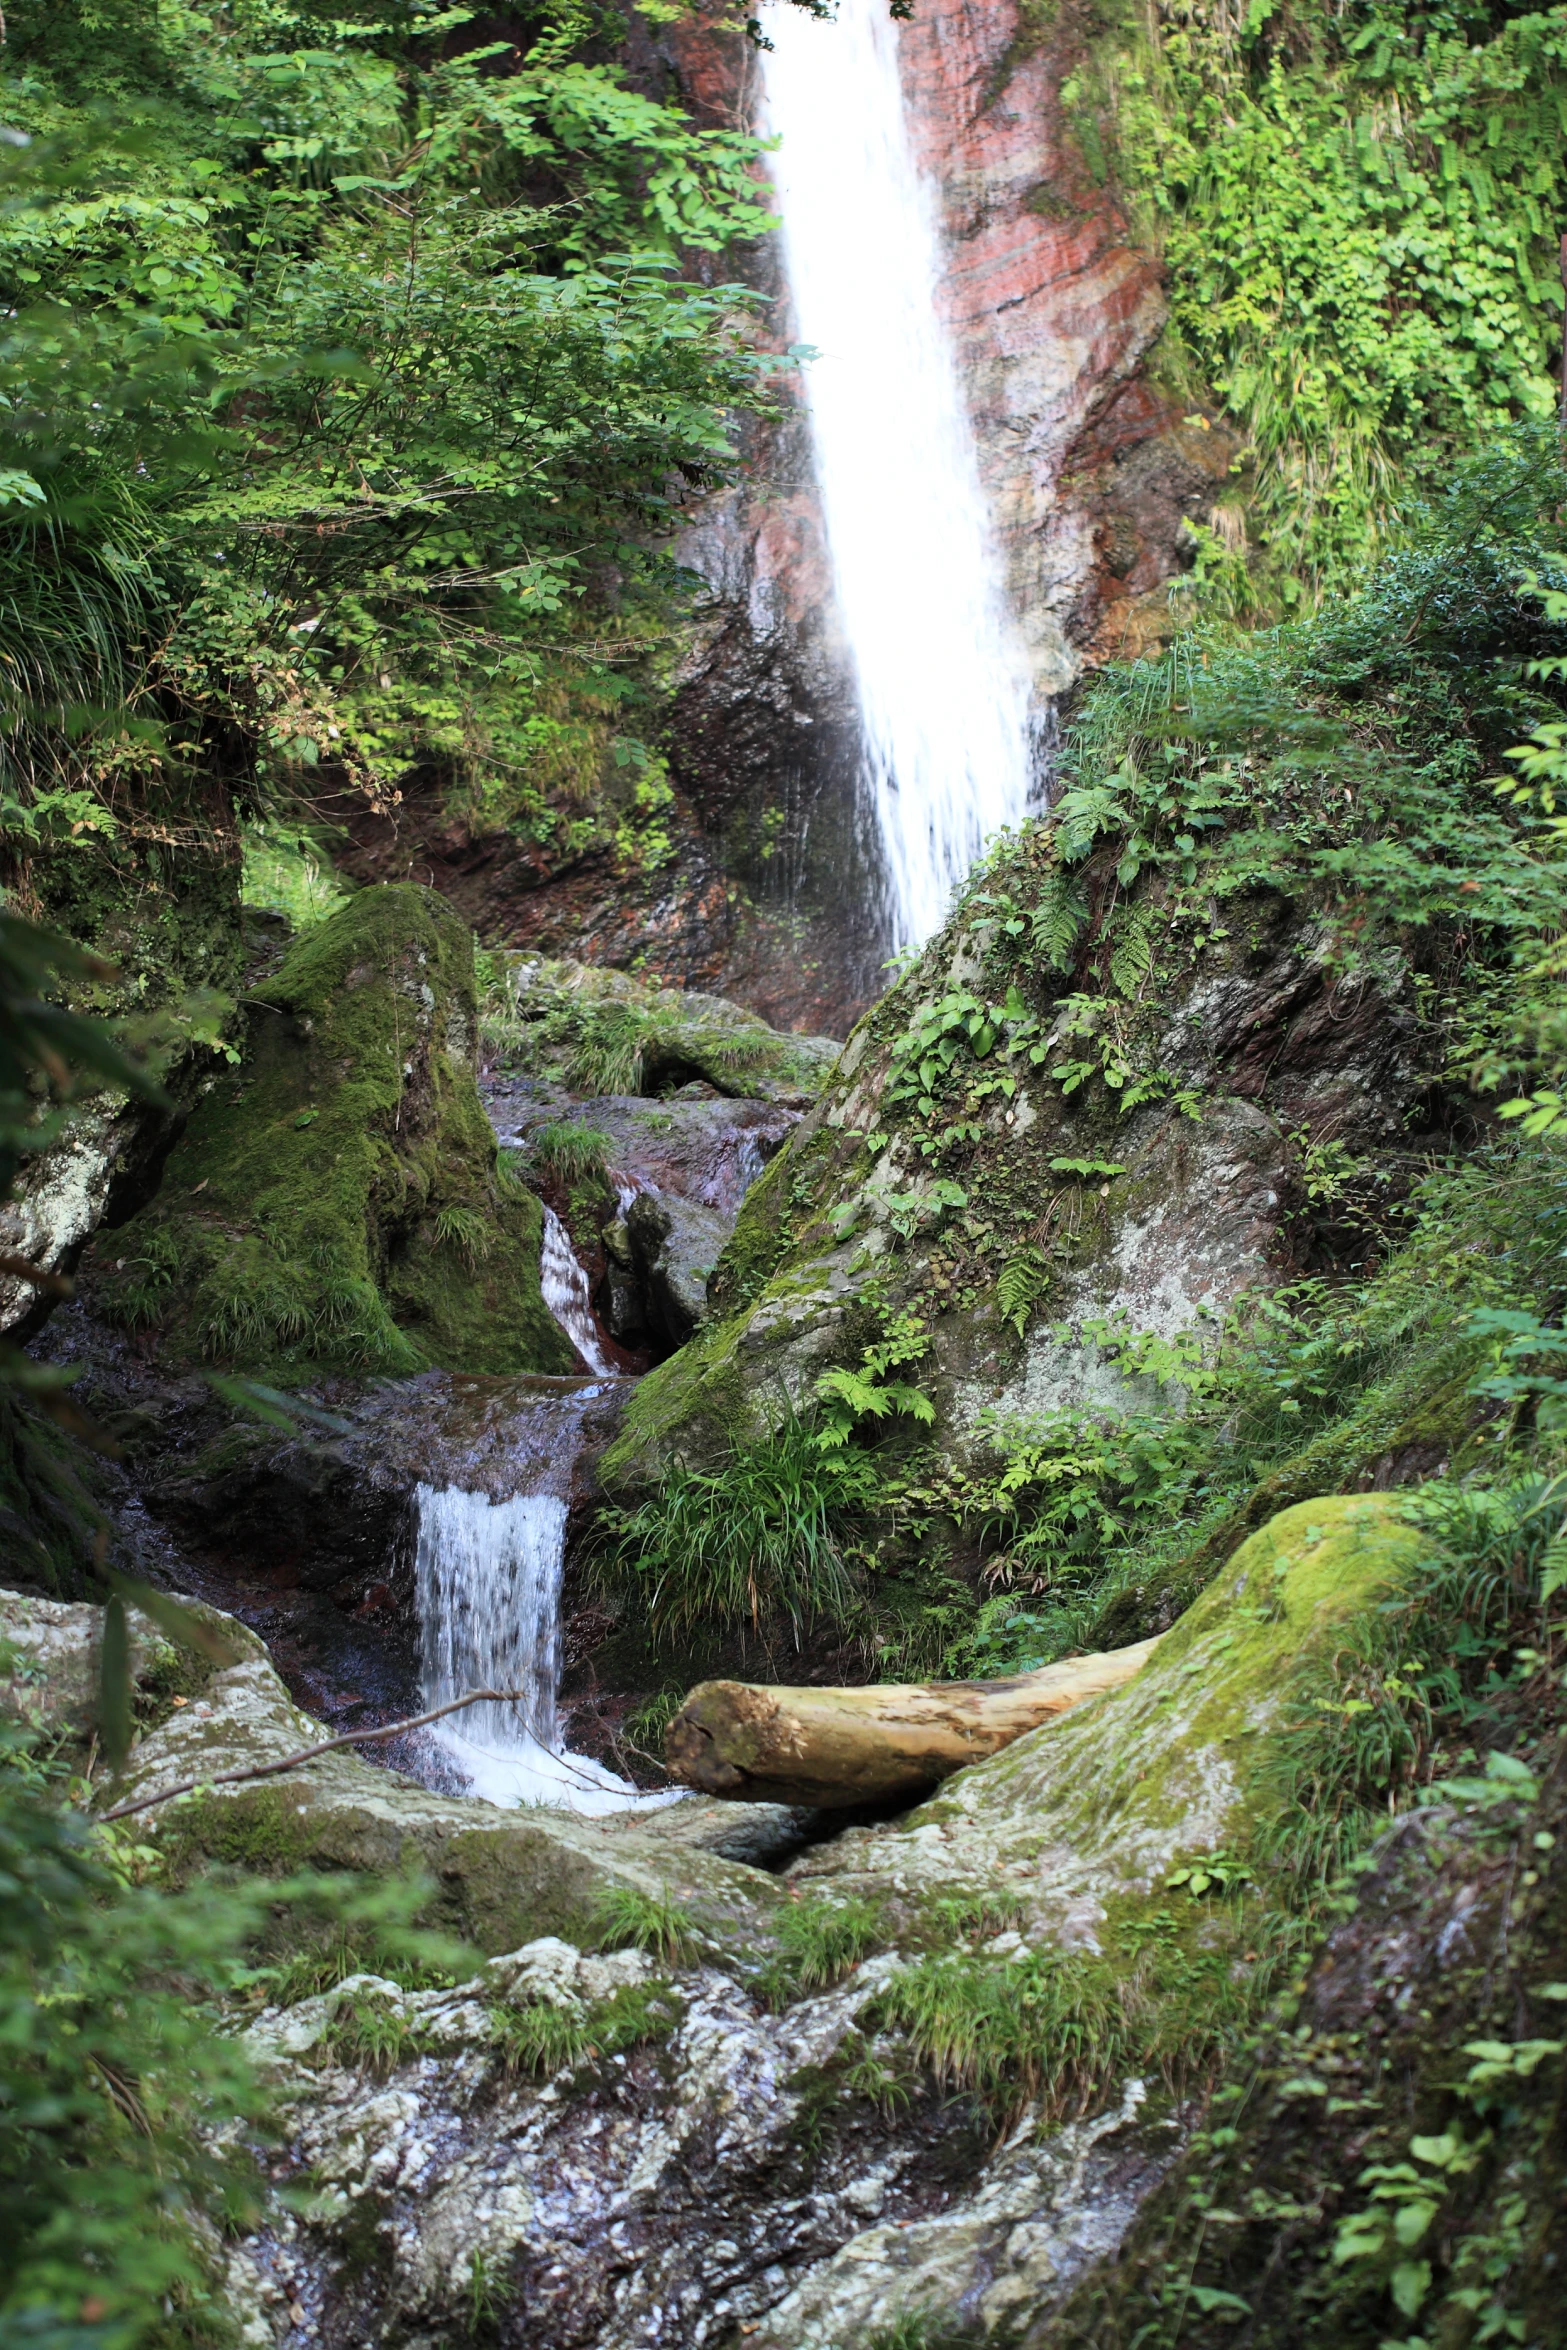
835, 1747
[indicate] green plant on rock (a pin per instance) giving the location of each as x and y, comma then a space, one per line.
568, 1150
369, 2029
744, 1545
630, 1919
537, 2038
849, 1397
468, 1230
818, 1942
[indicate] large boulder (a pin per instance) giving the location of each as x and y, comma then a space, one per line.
1037, 1178
335, 1202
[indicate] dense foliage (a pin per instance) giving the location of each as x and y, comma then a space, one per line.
1356, 209
349, 371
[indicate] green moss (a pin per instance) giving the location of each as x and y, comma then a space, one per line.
696, 1403
1150, 1809
335, 1202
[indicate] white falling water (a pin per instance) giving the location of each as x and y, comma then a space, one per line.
944, 689
565, 1289
488, 1578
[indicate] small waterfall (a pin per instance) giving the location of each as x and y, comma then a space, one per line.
488, 1577
565, 1288
944, 688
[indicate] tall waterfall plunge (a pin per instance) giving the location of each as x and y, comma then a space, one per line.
944, 688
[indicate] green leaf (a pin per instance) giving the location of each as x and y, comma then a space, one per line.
1409, 2284
114, 1683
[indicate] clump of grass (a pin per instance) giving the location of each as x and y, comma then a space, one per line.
882, 2079
741, 1545
1059, 2028
629, 1919
569, 1151
645, 1727
818, 1943
535, 2038
368, 2030
975, 1915
468, 1231
414, 1960
142, 1293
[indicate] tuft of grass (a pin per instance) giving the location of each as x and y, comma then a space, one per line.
367, 2030
540, 2040
1059, 2028
645, 1727
569, 1151
629, 1919
818, 1943
537, 2038
468, 1231
876, 2078
757, 1539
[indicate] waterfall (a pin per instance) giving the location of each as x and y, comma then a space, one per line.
943, 684
565, 1290
488, 1577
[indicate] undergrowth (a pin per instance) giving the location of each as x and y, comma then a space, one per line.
758, 1540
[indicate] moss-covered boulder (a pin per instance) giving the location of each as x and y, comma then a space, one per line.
1096, 1809
335, 1202
599, 1031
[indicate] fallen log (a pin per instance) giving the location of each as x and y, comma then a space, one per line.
836, 1747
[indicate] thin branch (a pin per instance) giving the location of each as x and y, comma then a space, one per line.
309, 1753
23, 1268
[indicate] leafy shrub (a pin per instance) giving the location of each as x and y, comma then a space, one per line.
108, 2072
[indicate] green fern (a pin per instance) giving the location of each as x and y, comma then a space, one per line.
1131, 959
1058, 920
1024, 1280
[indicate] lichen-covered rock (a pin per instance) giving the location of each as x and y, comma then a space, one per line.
678, 2159
49, 1659
335, 1200
667, 2180
497, 1876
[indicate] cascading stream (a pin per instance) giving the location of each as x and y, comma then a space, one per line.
488, 1576
564, 1286
944, 686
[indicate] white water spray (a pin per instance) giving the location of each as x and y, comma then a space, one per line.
564, 1286
488, 1579
944, 687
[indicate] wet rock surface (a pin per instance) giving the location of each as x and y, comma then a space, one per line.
666, 2194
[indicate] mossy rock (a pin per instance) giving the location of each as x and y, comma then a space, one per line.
335, 1202
497, 1878
1106, 1800
601, 1031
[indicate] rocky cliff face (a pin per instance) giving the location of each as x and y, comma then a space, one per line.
1092, 469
